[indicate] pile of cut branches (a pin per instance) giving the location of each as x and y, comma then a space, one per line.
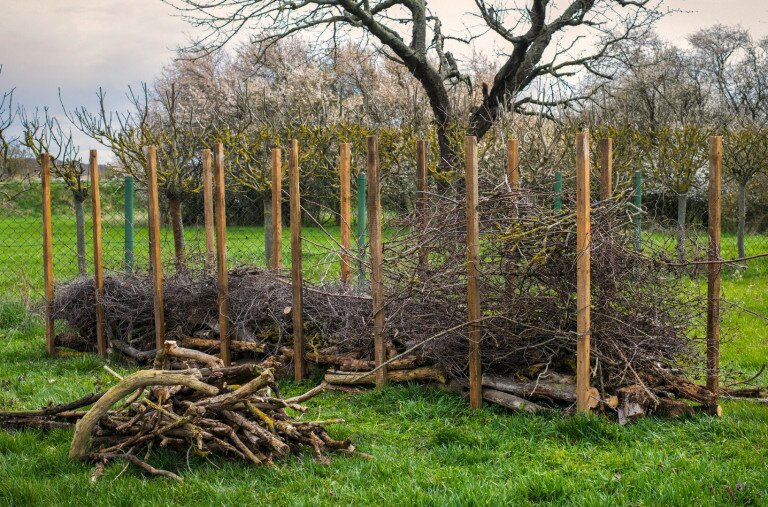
235, 412
644, 309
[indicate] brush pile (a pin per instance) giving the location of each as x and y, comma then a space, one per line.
202, 408
643, 308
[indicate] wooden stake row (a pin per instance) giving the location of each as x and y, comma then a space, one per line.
215, 217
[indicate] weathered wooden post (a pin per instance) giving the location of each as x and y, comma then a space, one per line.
606, 168
374, 232
276, 257
210, 243
583, 300
155, 257
45, 177
422, 201
713, 280
129, 223
473, 271
221, 255
513, 164
98, 262
297, 307
345, 211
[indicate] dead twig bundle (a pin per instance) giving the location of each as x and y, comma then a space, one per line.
234, 412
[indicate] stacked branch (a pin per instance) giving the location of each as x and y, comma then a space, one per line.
643, 306
204, 409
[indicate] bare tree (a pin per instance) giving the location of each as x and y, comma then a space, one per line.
745, 157
542, 40
44, 134
7, 117
159, 119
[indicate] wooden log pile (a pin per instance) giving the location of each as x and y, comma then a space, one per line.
205, 409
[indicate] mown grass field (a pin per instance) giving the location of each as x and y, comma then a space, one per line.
429, 447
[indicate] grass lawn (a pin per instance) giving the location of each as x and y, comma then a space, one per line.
429, 447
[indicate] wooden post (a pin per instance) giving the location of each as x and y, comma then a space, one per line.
583, 302
513, 164
154, 246
473, 271
377, 283
713, 280
297, 280
210, 244
276, 257
129, 224
50, 344
345, 211
606, 168
221, 254
422, 201
98, 263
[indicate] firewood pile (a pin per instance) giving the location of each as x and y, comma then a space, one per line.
198, 406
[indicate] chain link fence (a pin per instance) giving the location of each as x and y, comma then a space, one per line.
126, 238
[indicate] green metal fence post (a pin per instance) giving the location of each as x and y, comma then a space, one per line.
361, 225
129, 243
637, 200
558, 204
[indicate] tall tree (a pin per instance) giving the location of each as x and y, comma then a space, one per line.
540, 39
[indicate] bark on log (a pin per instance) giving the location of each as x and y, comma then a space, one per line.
235, 345
686, 389
511, 401
351, 364
359, 378
554, 391
634, 402
173, 350
140, 356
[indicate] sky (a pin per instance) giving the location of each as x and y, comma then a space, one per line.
80, 45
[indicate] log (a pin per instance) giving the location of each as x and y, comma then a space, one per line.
173, 350
554, 391
140, 356
56, 409
358, 378
511, 401
207, 344
634, 402
352, 364
686, 389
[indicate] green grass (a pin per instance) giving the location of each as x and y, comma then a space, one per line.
429, 447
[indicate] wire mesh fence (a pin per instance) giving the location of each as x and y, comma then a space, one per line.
126, 237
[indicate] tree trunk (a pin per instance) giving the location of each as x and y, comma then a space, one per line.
682, 204
742, 217
177, 226
80, 220
267, 199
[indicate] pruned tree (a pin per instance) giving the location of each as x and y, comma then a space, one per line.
541, 40
43, 133
159, 119
7, 117
677, 157
745, 157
